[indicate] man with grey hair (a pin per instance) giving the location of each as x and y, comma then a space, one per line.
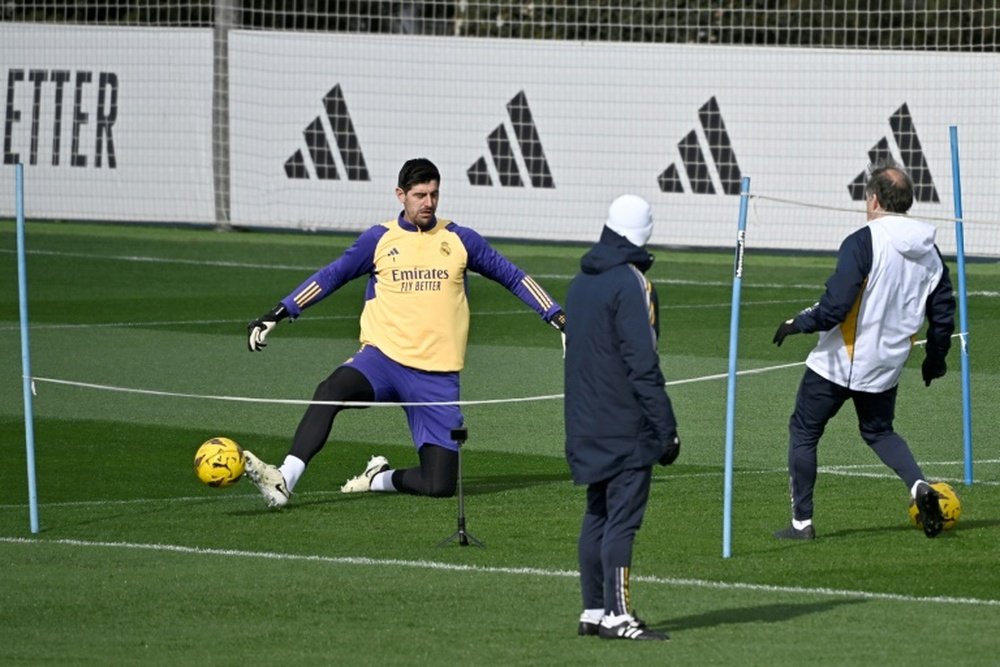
889, 279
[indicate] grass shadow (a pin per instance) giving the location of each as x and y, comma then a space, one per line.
947, 534
770, 613
486, 484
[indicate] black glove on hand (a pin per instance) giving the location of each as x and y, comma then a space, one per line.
933, 368
671, 450
258, 329
787, 328
558, 320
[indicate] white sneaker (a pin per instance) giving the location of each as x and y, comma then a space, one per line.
268, 480
363, 482
627, 626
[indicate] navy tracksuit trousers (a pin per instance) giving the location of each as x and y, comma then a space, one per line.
817, 402
615, 508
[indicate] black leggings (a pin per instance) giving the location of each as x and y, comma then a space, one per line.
437, 475
344, 384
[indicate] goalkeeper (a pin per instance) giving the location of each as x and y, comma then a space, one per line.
414, 332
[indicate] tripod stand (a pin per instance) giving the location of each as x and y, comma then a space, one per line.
460, 435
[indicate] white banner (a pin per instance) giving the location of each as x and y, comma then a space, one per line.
534, 139
552, 131
109, 123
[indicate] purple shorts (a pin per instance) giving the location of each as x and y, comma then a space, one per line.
395, 383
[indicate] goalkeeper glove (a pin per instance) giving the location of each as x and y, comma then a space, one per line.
258, 329
671, 450
786, 328
933, 368
558, 320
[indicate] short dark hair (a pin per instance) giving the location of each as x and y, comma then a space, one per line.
891, 184
415, 171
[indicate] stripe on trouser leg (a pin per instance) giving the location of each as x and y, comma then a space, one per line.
623, 596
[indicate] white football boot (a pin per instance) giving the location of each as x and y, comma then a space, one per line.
268, 480
363, 482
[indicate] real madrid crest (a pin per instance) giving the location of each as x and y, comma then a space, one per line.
445, 248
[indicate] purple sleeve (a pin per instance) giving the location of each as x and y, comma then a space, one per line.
356, 261
486, 261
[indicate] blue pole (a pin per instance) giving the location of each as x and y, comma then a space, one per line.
963, 310
734, 334
22, 295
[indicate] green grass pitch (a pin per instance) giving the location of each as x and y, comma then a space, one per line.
138, 563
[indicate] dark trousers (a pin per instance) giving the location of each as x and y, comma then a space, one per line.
817, 402
614, 513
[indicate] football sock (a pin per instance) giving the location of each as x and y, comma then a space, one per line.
801, 525
291, 470
613, 620
913, 489
383, 481
592, 615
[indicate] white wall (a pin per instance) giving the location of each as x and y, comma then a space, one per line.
159, 127
608, 116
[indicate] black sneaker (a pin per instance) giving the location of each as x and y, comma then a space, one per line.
630, 628
793, 533
929, 504
587, 628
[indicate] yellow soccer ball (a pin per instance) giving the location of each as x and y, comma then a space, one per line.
219, 462
951, 506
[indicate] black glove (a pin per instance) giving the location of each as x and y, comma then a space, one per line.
933, 368
671, 449
558, 320
786, 328
258, 329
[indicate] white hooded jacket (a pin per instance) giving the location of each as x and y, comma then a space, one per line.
870, 337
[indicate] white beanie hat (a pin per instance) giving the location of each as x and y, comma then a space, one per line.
631, 217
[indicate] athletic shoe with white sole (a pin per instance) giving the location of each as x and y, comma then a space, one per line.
363, 482
268, 480
627, 626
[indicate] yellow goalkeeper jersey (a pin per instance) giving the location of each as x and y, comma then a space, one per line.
416, 307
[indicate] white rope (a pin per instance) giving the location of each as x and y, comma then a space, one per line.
366, 404
282, 401
793, 202
373, 404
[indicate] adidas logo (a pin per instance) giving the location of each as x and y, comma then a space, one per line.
695, 163
321, 154
503, 154
912, 156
